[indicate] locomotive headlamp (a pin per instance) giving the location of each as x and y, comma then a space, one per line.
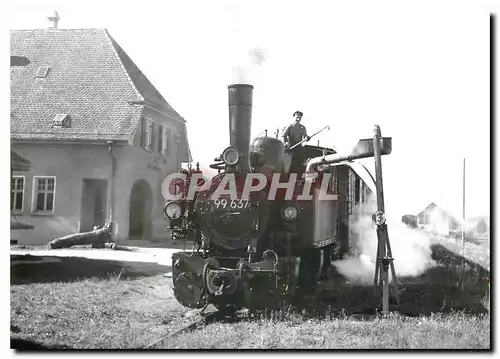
230, 156
173, 210
290, 213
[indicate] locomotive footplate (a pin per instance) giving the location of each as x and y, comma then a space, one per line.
269, 283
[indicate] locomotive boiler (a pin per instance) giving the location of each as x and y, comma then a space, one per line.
262, 234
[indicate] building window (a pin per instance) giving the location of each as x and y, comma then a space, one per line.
147, 134
44, 190
61, 120
17, 194
165, 140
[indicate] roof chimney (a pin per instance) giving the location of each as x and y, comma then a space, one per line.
54, 19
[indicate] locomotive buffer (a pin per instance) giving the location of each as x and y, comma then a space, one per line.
384, 260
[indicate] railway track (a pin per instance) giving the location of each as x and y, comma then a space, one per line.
212, 317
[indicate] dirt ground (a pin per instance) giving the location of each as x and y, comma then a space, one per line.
162, 256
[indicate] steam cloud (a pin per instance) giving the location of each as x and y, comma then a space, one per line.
411, 250
257, 56
242, 74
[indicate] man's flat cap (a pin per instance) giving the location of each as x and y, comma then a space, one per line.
298, 113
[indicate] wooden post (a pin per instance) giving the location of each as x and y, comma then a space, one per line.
381, 252
385, 287
384, 255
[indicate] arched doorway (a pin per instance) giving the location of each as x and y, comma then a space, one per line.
141, 201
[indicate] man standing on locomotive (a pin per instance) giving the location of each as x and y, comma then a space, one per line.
294, 134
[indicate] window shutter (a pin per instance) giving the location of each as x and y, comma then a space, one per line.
168, 136
147, 134
165, 140
151, 135
143, 133
160, 140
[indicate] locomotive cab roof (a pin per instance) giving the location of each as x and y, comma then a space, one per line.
315, 151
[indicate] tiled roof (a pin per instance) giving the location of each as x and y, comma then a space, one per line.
90, 78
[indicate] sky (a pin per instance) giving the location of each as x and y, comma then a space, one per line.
420, 71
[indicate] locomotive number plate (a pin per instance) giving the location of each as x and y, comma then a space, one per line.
232, 204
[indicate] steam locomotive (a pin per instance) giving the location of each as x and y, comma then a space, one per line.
260, 249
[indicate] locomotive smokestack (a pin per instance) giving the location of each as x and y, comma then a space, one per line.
240, 121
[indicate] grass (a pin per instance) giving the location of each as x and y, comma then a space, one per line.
477, 253
94, 304
127, 314
93, 313
456, 331
456, 283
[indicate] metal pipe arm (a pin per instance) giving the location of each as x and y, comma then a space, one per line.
363, 149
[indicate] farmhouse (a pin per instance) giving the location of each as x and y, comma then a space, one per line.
434, 219
98, 135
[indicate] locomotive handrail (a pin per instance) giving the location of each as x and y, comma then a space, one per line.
217, 166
